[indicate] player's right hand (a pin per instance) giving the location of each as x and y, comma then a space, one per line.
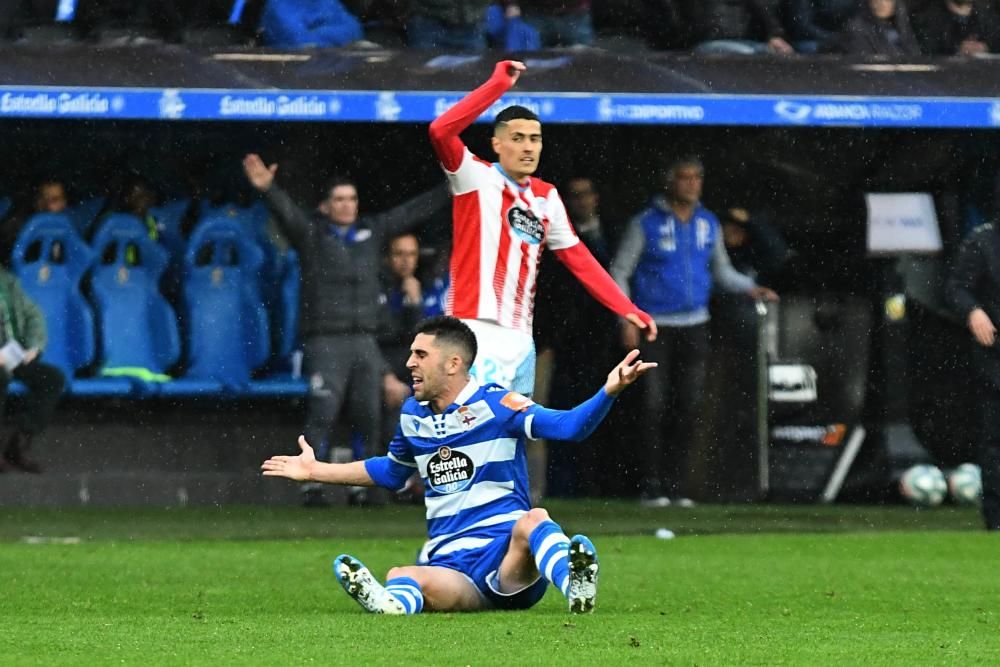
511, 69
298, 467
261, 176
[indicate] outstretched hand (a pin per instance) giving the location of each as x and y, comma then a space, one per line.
260, 175
293, 467
628, 371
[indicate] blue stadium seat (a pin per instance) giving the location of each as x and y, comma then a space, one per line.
85, 213
277, 280
117, 226
286, 319
227, 325
139, 338
50, 259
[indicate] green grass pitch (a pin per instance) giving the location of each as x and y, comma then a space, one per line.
758, 585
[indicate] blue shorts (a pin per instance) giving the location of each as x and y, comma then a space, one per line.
481, 565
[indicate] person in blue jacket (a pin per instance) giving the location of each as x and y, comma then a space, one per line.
295, 24
669, 259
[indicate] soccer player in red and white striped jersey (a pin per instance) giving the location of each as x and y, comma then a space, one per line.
502, 217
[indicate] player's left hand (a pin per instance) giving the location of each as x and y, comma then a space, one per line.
293, 467
511, 68
648, 325
628, 371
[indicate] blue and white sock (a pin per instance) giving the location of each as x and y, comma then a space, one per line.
407, 591
550, 547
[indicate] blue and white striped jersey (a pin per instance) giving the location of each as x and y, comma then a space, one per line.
472, 461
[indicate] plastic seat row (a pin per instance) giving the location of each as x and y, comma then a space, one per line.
131, 334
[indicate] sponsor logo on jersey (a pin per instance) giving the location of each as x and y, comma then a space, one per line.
516, 402
450, 471
526, 226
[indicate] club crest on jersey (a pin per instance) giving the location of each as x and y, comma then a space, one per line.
450, 471
466, 417
525, 225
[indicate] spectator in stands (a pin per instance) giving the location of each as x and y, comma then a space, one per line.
447, 24
22, 339
956, 27
558, 22
812, 23
973, 292
113, 22
136, 197
49, 197
570, 326
753, 244
881, 28
404, 299
340, 254
296, 24
670, 257
405, 308
730, 26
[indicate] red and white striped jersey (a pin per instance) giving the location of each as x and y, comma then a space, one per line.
500, 229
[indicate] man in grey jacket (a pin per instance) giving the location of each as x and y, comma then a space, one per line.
341, 255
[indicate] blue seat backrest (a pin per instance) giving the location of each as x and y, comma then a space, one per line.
84, 214
138, 327
228, 329
287, 312
123, 226
50, 259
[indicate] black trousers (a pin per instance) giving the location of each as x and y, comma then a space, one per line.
344, 367
672, 404
45, 385
989, 454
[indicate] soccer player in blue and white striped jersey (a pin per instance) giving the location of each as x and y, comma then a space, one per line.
487, 548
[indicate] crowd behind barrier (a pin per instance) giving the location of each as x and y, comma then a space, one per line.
750, 27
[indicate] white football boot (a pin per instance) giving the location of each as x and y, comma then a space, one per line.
359, 583
583, 567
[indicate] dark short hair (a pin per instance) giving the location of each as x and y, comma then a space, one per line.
453, 331
513, 113
336, 181
670, 168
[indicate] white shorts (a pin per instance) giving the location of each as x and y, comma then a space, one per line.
505, 356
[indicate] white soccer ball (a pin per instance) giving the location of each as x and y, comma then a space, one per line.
965, 484
923, 485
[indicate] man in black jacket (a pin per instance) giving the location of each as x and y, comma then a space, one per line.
956, 27
973, 292
341, 255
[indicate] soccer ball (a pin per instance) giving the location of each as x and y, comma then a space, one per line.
923, 485
965, 484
